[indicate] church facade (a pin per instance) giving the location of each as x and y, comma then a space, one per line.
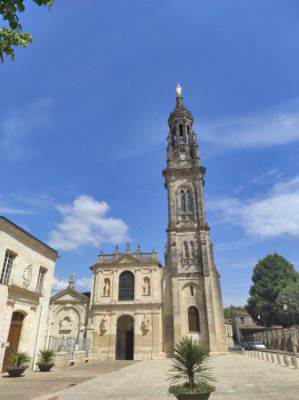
138, 309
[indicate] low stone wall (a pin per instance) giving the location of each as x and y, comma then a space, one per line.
282, 358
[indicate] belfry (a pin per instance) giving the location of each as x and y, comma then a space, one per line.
192, 302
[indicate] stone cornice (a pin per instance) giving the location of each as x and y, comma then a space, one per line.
19, 293
171, 173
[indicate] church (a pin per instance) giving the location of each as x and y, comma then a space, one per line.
138, 309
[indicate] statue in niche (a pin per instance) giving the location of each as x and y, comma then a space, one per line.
146, 287
103, 324
145, 324
106, 290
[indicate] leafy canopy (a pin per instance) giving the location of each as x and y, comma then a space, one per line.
189, 369
289, 297
231, 311
9, 38
270, 276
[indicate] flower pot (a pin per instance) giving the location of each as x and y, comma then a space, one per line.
15, 372
193, 396
45, 367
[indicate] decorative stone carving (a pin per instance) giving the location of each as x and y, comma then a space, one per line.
145, 324
27, 276
106, 288
146, 287
66, 324
103, 324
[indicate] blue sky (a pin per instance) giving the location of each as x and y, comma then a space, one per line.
83, 127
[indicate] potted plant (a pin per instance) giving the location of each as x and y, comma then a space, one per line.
189, 372
46, 358
19, 361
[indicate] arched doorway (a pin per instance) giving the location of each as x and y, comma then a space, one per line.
13, 337
125, 338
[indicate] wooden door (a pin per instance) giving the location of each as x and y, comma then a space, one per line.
13, 338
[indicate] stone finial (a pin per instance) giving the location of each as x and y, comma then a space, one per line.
128, 248
101, 257
138, 249
154, 254
72, 280
116, 250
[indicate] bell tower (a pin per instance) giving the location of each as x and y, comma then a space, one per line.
192, 293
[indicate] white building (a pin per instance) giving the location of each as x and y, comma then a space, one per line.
26, 274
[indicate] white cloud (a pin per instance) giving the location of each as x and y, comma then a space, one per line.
274, 127
271, 216
83, 283
85, 224
17, 125
59, 284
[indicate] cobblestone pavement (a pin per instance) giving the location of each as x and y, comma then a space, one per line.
34, 384
238, 378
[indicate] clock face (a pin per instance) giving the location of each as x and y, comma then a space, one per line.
182, 156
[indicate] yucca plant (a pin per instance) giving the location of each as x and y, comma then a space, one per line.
19, 359
189, 370
46, 356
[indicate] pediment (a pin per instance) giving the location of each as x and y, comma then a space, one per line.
69, 295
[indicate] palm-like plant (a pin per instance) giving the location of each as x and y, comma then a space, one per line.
46, 356
19, 359
190, 369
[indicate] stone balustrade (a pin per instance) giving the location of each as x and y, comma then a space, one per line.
282, 358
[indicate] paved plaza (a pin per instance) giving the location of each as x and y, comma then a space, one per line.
238, 378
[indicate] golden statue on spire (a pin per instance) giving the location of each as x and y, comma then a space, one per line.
178, 90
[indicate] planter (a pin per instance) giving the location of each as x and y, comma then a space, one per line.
193, 396
15, 372
45, 367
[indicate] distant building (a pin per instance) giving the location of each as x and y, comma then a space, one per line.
246, 328
26, 273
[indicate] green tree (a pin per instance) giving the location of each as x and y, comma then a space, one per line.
270, 276
13, 36
230, 312
288, 304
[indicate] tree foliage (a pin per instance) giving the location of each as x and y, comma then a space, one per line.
10, 38
230, 312
270, 276
289, 296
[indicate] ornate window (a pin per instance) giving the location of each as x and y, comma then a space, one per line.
40, 279
185, 201
193, 319
7, 266
126, 286
186, 250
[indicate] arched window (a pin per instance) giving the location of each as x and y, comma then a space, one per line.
186, 250
193, 319
182, 201
191, 291
126, 286
192, 249
188, 134
188, 201
174, 136
182, 139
